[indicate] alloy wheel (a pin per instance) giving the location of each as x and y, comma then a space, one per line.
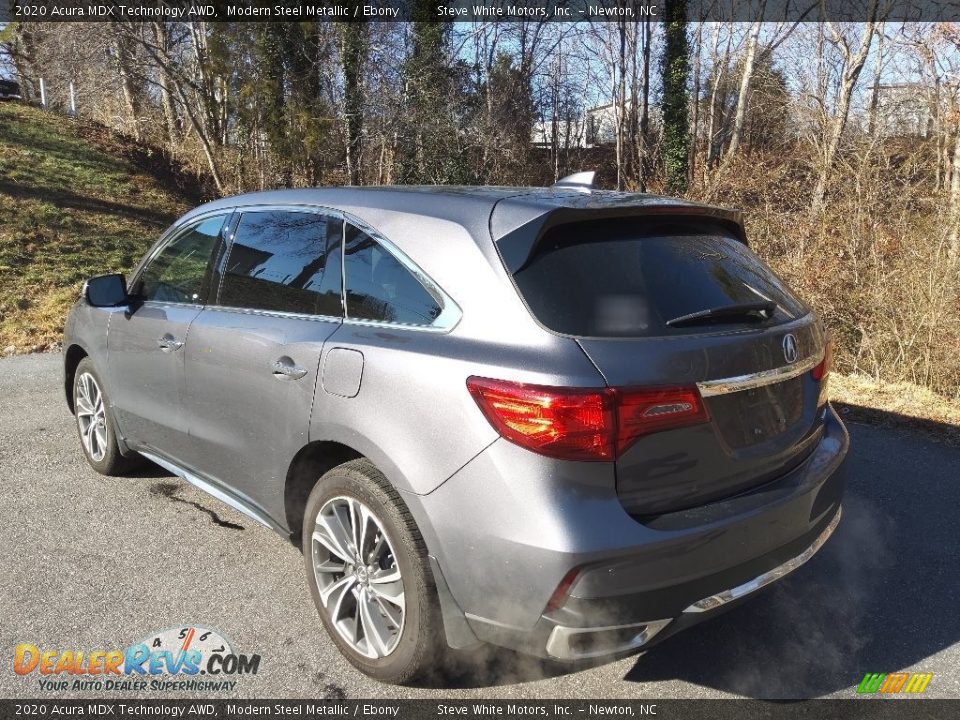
358, 577
91, 417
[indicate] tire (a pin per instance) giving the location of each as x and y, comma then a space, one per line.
391, 646
99, 444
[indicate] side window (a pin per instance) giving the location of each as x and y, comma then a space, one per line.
179, 273
285, 261
379, 287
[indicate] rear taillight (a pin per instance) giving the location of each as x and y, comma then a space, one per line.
641, 412
821, 372
822, 369
559, 422
583, 424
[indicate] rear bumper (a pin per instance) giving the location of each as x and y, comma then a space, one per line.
510, 525
576, 643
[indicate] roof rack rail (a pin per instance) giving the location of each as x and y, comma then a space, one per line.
580, 180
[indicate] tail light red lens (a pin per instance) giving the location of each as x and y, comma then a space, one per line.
563, 589
559, 422
583, 424
641, 412
823, 367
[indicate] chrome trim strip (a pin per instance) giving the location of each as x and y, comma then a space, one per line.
558, 644
210, 489
322, 318
709, 388
274, 313
722, 598
170, 303
401, 326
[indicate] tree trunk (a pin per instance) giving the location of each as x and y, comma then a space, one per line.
743, 97
853, 66
123, 62
676, 106
620, 93
645, 109
719, 70
353, 45
695, 120
953, 251
875, 91
166, 99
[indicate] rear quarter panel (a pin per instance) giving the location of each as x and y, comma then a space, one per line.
413, 416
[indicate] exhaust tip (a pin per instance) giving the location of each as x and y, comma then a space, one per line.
571, 643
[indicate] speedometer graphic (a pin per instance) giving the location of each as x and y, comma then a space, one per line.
189, 639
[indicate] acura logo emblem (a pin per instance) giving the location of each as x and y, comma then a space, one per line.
790, 348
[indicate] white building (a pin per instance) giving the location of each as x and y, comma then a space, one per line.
597, 127
903, 109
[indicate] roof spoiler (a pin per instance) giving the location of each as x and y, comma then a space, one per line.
518, 245
577, 180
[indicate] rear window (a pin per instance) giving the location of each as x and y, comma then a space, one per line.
380, 288
628, 278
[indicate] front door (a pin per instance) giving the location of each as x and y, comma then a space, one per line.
253, 358
146, 343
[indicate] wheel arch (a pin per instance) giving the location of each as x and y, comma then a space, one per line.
309, 465
71, 359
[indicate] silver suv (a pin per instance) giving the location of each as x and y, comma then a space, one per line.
564, 421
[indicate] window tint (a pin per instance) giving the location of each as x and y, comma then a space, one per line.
379, 287
628, 277
179, 273
285, 261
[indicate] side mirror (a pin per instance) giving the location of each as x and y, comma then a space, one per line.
106, 291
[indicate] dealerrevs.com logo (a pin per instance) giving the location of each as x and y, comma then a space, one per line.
172, 659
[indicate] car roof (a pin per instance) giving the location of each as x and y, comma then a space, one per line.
514, 218
450, 201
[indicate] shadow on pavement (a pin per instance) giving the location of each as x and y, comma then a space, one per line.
879, 597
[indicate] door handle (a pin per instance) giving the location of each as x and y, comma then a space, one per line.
285, 369
168, 342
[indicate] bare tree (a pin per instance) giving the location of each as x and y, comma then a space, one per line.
746, 75
161, 39
853, 56
190, 85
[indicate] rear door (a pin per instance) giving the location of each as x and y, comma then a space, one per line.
146, 343
649, 301
254, 355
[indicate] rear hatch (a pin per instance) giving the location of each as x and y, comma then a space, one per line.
659, 301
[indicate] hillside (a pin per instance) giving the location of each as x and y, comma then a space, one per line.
75, 200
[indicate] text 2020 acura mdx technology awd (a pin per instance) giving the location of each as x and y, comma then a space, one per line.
564, 421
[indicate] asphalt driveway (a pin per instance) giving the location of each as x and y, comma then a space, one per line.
92, 562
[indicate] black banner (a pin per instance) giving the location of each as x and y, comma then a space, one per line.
907, 709
475, 10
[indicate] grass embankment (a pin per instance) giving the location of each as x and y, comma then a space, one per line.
75, 201
901, 404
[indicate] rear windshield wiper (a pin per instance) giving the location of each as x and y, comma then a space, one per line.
742, 311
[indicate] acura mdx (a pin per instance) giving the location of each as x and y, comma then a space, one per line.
566, 421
